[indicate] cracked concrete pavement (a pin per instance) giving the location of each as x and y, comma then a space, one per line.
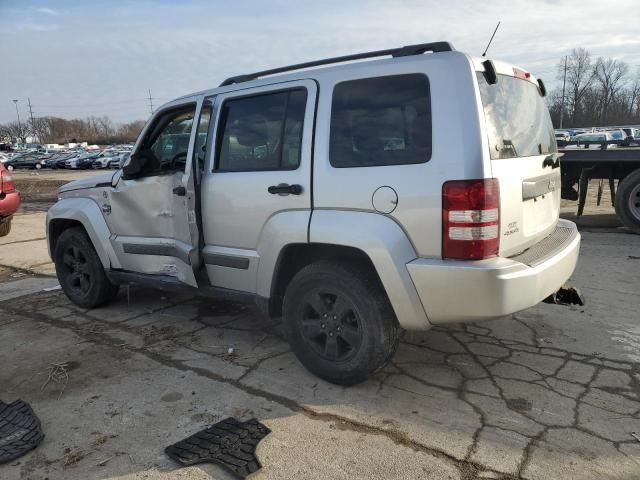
553, 392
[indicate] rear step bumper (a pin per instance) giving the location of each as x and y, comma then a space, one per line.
464, 291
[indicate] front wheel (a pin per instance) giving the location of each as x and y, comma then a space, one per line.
10, 168
80, 271
339, 322
627, 201
38, 166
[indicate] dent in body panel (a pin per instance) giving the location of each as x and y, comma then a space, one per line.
386, 244
143, 206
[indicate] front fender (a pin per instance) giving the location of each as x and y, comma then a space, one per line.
88, 213
389, 249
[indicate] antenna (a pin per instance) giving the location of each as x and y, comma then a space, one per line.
484, 54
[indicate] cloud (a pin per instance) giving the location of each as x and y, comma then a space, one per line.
47, 11
101, 52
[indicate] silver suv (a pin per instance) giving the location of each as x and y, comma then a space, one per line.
352, 200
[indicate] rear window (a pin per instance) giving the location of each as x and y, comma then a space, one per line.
381, 121
517, 118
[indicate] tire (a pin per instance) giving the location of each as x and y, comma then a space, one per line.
627, 201
38, 166
5, 227
10, 168
80, 271
339, 322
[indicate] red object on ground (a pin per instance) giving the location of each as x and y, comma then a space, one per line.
9, 196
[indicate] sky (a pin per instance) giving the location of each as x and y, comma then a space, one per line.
79, 58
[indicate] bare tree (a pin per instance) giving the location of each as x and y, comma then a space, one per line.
634, 95
19, 131
610, 75
580, 77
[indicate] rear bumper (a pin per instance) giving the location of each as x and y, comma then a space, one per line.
9, 204
463, 291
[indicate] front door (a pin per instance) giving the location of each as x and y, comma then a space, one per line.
151, 210
256, 189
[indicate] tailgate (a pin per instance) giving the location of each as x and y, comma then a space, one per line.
529, 202
524, 158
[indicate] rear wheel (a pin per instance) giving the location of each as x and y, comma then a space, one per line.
10, 167
5, 227
339, 322
80, 270
38, 166
627, 201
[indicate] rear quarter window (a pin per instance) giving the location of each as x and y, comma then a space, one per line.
381, 121
517, 119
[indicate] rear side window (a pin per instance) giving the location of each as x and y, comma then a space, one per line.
262, 132
381, 121
517, 118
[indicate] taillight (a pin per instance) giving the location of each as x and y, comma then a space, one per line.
7, 184
470, 219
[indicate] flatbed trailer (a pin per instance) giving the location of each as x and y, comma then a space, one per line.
581, 164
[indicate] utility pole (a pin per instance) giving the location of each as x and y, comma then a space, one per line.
33, 126
564, 83
150, 102
18, 114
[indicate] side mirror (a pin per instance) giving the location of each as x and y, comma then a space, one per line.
136, 163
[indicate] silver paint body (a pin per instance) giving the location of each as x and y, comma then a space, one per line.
401, 234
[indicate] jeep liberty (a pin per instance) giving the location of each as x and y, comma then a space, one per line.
417, 186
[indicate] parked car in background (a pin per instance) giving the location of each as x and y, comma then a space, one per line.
105, 159
26, 160
562, 138
58, 160
9, 200
596, 140
4, 157
632, 136
82, 161
121, 160
618, 134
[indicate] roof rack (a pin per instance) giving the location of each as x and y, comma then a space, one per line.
394, 52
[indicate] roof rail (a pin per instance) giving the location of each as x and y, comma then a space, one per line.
394, 52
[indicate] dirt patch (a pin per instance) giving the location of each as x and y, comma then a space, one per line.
13, 274
43, 186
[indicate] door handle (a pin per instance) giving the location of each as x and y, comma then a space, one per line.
180, 191
285, 189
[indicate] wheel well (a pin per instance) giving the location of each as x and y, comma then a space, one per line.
56, 227
297, 256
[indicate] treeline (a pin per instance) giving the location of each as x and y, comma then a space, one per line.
598, 92
98, 130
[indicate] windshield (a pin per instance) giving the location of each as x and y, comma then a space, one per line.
517, 118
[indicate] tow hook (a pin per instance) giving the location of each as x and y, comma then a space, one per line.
566, 296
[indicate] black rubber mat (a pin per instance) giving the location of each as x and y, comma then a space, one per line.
229, 443
20, 430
